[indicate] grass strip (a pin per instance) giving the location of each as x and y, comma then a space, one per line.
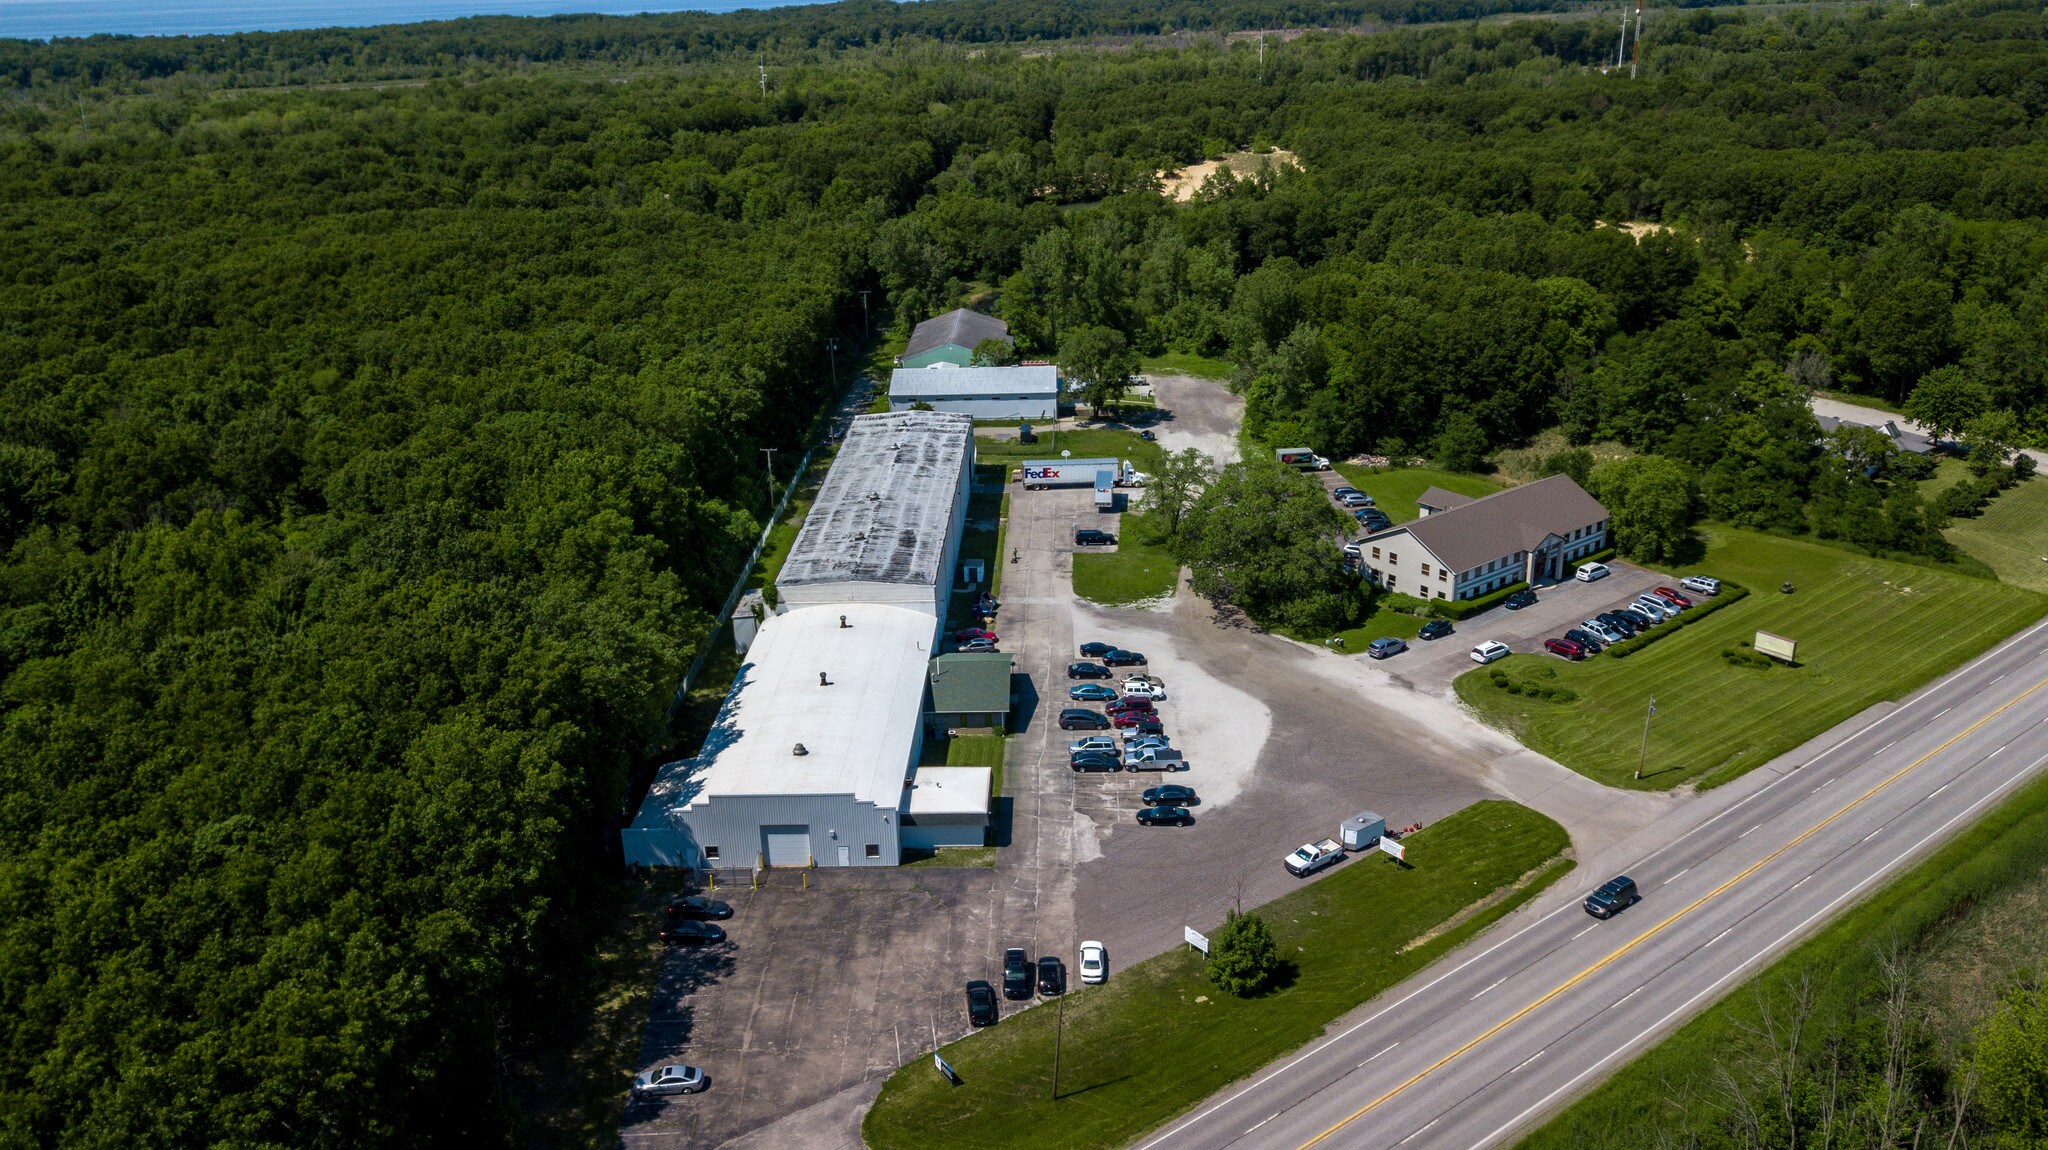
1638, 1106
1158, 1037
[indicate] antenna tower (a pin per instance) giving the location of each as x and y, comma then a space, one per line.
1637, 58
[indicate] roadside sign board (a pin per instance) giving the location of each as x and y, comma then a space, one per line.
1196, 938
1776, 646
943, 1068
1393, 848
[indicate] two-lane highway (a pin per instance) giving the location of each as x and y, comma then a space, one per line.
1475, 1050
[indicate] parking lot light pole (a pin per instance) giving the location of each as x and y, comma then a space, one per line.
1644, 753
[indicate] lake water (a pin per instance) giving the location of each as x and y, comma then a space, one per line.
42, 19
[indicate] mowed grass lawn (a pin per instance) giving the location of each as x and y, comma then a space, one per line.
1139, 569
1395, 489
2011, 536
1867, 629
1157, 1037
1083, 443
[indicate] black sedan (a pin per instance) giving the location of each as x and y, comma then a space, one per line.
1016, 974
1520, 599
1434, 629
1083, 719
1122, 658
1089, 671
690, 932
1586, 639
1169, 795
697, 906
981, 1003
1096, 650
1093, 761
1165, 817
1052, 976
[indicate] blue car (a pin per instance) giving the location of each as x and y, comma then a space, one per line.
1092, 693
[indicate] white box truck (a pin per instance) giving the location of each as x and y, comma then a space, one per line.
1301, 459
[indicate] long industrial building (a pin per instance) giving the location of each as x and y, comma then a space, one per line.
812, 760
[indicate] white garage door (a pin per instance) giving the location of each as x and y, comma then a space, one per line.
786, 846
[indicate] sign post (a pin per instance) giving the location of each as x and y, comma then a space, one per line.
945, 1069
1776, 646
1393, 848
1195, 938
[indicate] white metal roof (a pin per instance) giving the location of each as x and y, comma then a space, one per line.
857, 733
886, 507
949, 791
950, 382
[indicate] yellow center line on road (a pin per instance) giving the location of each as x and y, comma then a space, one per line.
1631, 944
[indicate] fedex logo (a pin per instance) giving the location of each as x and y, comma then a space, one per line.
1041, 473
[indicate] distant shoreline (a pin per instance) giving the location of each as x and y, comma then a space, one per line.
48, 19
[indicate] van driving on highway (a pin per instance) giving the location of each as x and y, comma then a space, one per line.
1614, 896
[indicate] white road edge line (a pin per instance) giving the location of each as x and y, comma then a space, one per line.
1927, 692
1742, 967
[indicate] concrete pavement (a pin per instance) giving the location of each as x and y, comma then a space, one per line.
1487, 1043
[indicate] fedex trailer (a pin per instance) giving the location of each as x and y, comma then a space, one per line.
1043, 473
1105, 490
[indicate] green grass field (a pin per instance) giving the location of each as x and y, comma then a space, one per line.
1158, 1037
2011, 536
1139, 569
1991, 872
1183, 363
1867, 629
1084, 443
1394, 489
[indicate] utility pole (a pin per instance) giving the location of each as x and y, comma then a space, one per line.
867, 329
1262, 55
1059, 1033
1637, 58
832, 353
1643, 754
770, 453
1621, 48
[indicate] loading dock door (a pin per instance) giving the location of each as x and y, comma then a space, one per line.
786, 846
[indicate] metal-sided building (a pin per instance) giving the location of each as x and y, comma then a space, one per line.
812, 760
951, 338
1031, 392
886, 525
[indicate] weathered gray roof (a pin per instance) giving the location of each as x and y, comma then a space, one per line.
1437, 499
1505, 522
884, 509
1904, 440
959, 327
971, 681
951, 382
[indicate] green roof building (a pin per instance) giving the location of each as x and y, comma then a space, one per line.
971, 691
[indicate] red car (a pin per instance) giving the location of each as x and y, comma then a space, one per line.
1569, 648
1146, 721
1670, 596
966, 633
1130, 703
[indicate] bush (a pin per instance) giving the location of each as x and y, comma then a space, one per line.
1730, 593
1455, 609
1242, 956
1553, 694
1743, 656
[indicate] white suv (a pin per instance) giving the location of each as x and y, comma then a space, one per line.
1588, 572
1490, 650
1701, 584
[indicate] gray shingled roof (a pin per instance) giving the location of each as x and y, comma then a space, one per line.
1437, 499
1505, 522
1905, 440
959, 327
884, 509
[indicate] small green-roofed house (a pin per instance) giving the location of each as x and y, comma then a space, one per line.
971, 691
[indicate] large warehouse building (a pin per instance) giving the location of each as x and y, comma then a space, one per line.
812, 760
1028, 392
886, 525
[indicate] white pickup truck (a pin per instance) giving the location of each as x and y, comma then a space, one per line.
1312, 857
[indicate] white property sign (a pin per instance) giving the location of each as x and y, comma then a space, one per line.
1196, 938
1393, 848
1776, 646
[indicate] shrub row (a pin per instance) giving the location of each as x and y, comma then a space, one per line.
1465, 609
1746, 656
1506, 683
1730, 593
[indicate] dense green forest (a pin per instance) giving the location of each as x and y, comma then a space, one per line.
372, 458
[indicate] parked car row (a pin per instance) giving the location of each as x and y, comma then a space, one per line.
1021, 977
687, 920
1609, 627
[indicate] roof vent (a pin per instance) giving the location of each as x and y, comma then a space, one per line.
842, 623
823, 681
799, 751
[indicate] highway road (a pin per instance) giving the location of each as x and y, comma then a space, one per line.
1483, 1045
